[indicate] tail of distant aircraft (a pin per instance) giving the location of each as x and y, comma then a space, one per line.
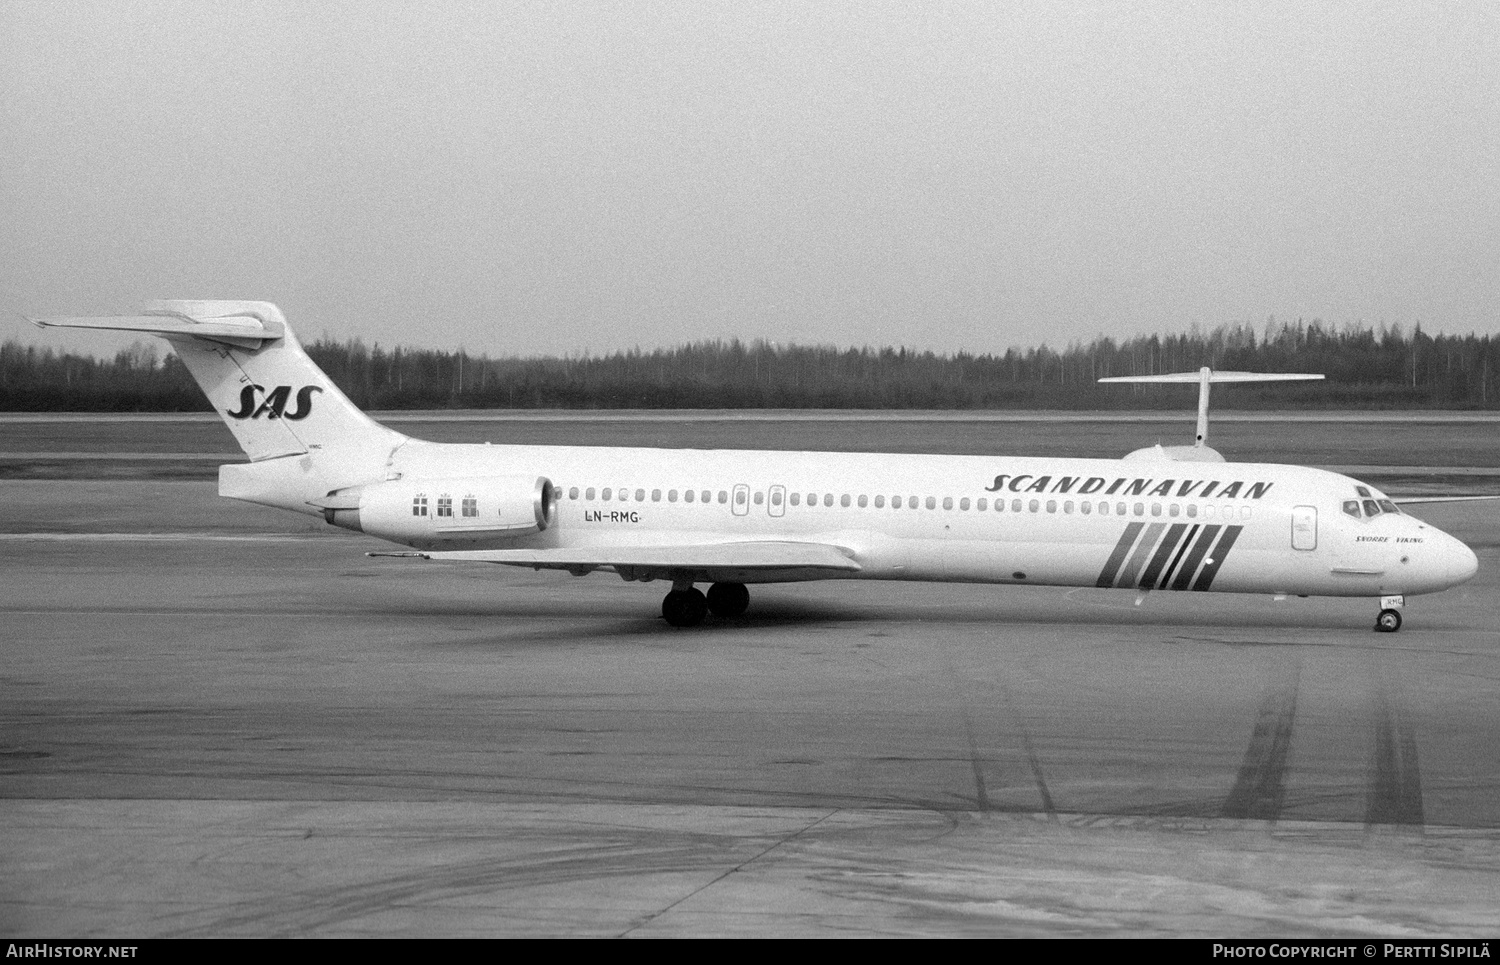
274, 399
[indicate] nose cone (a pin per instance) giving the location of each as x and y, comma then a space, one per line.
1461, 562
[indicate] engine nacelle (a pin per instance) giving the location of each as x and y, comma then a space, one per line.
463, 509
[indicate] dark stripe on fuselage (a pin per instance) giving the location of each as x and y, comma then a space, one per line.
1221, 551
1107, 575
1195, 556
1163, 553
1142, 551
1187, 541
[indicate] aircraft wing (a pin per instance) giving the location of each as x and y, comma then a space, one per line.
1410, 500
641, 562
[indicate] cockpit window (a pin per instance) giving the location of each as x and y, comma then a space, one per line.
1351, 507
1362, 490
1371, 508
1388, 506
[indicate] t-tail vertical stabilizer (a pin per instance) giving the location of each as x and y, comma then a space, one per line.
302, 434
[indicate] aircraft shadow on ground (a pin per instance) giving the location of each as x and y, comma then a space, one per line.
792, 615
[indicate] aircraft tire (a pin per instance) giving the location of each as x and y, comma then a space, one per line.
728, 600
1389, 621
684, 608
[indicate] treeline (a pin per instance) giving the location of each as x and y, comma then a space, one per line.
1387, 368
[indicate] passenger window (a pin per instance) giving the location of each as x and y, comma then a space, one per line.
605, 495
640, 495
1068, 507
963, 503
1015, 505
1173, 510
723, 497
983, 504
895, 502
1036, 504
1140, 509
1156, 509
931, 502
573, 493
812, 499
844, 500
1103, 508
828, 499
760, 498
796, 499
1051, 505
912, 503
1351, 508
656, 495
947, 502
1119, 509
880, 502
1192, 510
1085, 508
776, 498
671, 496
590, 494
739, 497
864, 501
688, 495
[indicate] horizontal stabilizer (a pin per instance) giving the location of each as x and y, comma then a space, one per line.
238, 329
757, 555
1195, 378
1204, 378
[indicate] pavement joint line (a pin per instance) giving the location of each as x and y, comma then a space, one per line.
748, 861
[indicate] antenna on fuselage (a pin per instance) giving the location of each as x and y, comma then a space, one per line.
1200, 451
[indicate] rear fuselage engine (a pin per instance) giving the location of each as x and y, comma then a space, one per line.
462, 509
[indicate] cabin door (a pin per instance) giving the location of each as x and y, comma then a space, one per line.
1304, 528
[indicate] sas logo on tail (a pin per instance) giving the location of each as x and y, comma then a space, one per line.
273, 406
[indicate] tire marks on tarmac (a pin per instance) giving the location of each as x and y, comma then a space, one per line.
1395, 795
1260, 786
1393, 783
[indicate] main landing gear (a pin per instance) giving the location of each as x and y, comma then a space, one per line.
1389, 620
688, 606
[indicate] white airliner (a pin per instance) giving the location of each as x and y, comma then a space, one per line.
1176, 518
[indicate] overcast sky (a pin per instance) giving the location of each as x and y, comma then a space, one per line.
567, 177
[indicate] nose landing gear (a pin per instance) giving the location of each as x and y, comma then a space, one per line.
687, 606
1389, 620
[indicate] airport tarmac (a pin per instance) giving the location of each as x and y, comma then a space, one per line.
224, 720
